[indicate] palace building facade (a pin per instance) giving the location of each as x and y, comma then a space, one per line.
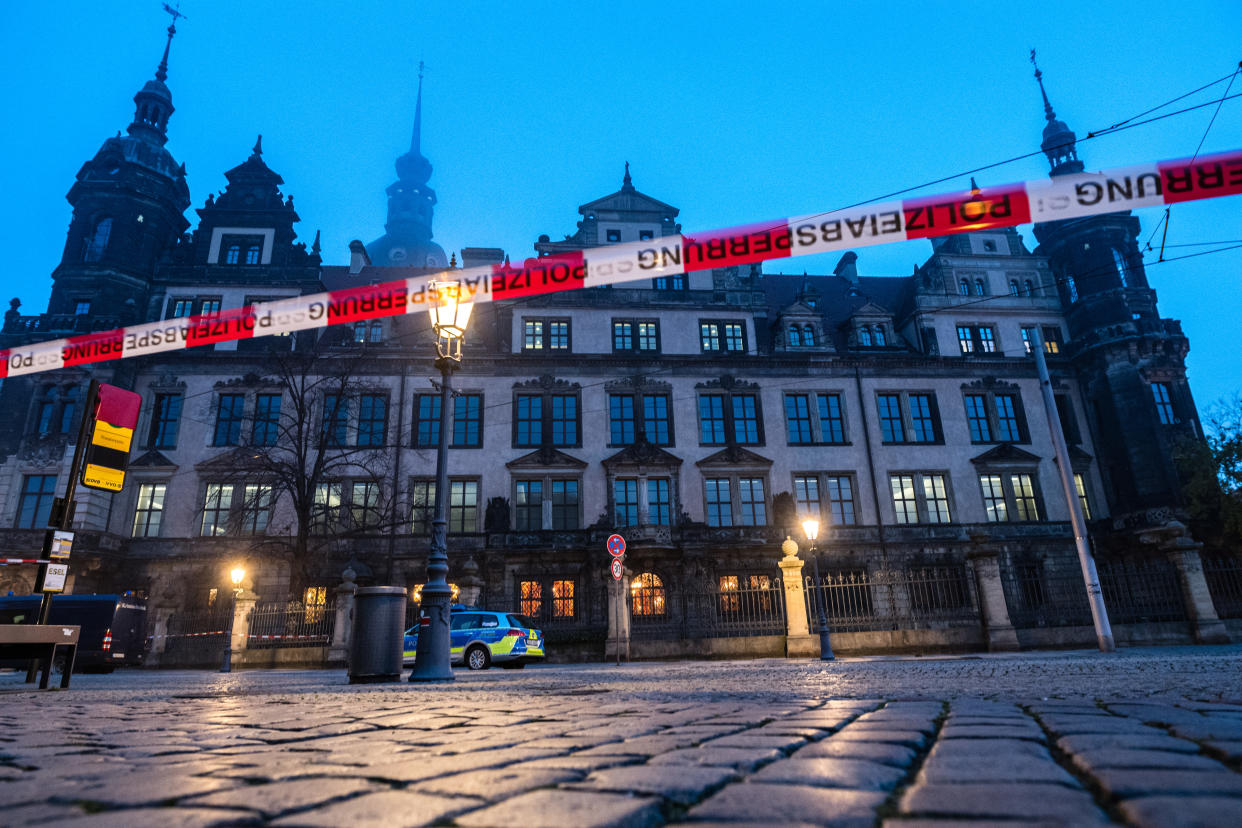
700, 415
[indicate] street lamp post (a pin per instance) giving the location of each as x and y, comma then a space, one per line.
449, 317
236, 575
811, 527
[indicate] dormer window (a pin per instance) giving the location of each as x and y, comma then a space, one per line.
880, 339
1014, 290
864, 336
239, 250
963, 287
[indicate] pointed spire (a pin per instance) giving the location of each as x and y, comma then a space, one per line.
627, 183
315, 248
1049, 115
161, 72
258, 147
416, 140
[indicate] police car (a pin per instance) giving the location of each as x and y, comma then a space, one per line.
480, 638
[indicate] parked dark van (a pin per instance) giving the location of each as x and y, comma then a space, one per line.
114, 627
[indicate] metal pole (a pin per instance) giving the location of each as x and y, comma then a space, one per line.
432, 660
825, 636
64, 520
227, 665
1095, 596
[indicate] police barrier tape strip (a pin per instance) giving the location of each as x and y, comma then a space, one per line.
7, 561
225, 632
1063, 197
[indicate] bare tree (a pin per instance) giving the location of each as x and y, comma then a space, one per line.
323, 455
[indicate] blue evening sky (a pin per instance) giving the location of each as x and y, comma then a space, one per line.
733, 112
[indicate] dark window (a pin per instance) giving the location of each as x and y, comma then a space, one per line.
564, 504
558, 335
229, 420
676, 282
752, 509
806, 496
564, 420
467, 421
977, 418
1069, 422
256, 508
625, 501
181, 307
335, 420
908, 417
623, 336
426, 420
423, 498
746, 419
240, 250
979, 290
711, 419
1008, 424
659, 505
372, 419
266, 420
656, 424
831, 422
528, 505
1052, 339
81, 308
621, 419
964, 287
614, 235
165, 421
864, 336
528, 420
207, 307
840, 491
97, 242
35, 509
719, 502
368, 331
798, 419
891, 427
1164, 403
645, 235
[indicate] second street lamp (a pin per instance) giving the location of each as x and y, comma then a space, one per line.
449, 317
811, 527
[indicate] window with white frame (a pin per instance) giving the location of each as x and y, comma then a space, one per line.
149, 510
920, 497
1010, 496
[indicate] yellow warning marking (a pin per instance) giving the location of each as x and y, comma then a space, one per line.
112, 437
102, 477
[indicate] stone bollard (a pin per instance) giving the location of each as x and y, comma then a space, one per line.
159, 636
617, 645
799, 643
343, 623
1001, 635
469, 582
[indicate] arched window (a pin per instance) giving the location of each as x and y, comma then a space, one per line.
864, 336
808, 334
880, 339
1123, 270
978, 287
647, 594
794, 339
1028, 288
964, 287
97, 242
233, 254
1014, 290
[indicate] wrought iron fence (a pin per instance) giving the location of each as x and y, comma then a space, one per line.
922, 597
1224, 579
291, 624
197, 638
738, 606
1136, 591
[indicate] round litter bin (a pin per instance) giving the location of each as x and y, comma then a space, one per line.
378, 634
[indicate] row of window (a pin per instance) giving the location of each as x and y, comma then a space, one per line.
554, 419
980, 287
554, 601
635, 336
981, 339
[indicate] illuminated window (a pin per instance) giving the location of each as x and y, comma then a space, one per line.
647, 595
562, 599
149, 513
314, 602
530, 598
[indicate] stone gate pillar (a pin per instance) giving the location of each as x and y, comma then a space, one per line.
343, 623
799, 643
1001, 636
242, 607
618, 642
1174, 540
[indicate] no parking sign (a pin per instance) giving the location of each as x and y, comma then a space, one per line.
616, 548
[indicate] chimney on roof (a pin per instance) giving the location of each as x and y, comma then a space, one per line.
847, 268
358, 258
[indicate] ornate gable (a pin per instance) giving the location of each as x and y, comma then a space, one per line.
642, 453
1005, 455
546, 458
546, 382
732, 457
152, 460
729, 383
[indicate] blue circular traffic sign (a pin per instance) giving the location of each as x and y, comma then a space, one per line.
616, 545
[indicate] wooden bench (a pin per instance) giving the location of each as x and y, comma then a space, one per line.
40, 641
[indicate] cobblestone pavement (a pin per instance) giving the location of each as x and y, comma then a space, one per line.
1140, 737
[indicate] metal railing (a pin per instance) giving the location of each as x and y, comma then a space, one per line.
920, 597
1052, 593
291, 624
1223, 573
196, 638
734, 609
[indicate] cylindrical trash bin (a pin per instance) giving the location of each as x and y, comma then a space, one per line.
378, 634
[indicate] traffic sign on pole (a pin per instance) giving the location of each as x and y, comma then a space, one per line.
617, 569
616, 545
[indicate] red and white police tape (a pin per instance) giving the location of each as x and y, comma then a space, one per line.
1052, 199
